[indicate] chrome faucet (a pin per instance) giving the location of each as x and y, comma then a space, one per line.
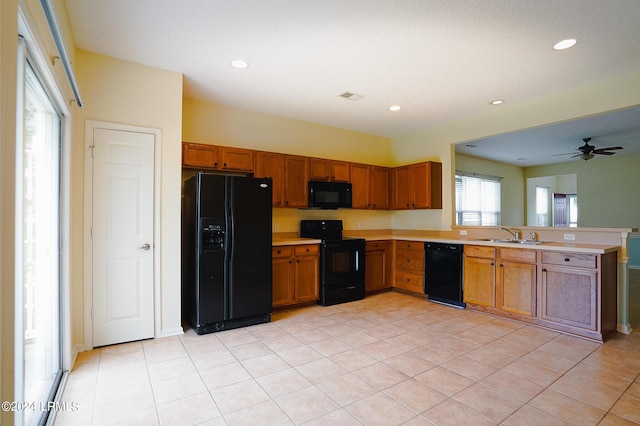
515, 234
534, 237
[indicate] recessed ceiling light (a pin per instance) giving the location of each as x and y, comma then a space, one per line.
395, 108
497, 102
565, 44
240, 64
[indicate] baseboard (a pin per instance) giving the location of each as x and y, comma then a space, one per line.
176, 331
75, 350
624, 328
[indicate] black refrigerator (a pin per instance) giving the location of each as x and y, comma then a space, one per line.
226, 252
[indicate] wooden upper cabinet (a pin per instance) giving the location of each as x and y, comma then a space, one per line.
340, 171
213, 157
200, 155
360, 186
319, 169
296, 176
237, 159
426, 182
329, 170
379, 191
370, 186
271, 165
417, 186
400, 190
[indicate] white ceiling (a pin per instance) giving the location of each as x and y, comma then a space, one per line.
440, 60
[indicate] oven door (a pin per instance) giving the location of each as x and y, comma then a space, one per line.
342, 271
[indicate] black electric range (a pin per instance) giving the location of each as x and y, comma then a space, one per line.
341, 261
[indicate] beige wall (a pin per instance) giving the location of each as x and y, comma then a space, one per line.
215, 124
205, 122
602, 183
128, 93
435, 143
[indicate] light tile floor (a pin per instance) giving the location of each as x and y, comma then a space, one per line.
389, 359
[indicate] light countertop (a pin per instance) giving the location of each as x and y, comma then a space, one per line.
283, 239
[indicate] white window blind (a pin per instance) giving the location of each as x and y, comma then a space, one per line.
542, 206
477, 199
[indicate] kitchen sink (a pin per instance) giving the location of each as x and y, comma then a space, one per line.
511, 241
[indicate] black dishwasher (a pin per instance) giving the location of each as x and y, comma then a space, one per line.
443, 273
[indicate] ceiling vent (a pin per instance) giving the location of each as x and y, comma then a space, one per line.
351, 96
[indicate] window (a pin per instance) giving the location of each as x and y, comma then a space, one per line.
573, 210
542, 206
477, 199
38, 246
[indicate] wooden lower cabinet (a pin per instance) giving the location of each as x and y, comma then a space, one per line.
479, 275
516, 281
409, 266
579, 292
377, 266
296, 274
570, 292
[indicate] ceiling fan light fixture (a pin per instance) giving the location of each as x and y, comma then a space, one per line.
395, 108
586, 157
497, 102
565, 44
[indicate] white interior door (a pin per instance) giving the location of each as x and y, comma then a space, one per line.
122, 236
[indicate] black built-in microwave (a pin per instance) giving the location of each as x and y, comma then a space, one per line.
329, 195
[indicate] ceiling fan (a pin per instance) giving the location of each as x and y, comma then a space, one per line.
587, 151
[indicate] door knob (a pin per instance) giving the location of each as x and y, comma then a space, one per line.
145, 246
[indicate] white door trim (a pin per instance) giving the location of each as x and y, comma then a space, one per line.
90, 125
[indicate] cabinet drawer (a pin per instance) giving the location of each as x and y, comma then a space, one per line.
281, 251
410, 261
306, 249
410, 245
376, 245
480, 251
581, 260
517, 255
408, 281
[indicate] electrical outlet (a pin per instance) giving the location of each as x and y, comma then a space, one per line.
570, 237
276, 227
359, 225
463, 232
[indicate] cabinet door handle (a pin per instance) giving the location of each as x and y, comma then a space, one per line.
566, 259
492, 264
544, 269
501, 265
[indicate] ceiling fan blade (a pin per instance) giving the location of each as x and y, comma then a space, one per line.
611, 148
599, 152
566, 153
